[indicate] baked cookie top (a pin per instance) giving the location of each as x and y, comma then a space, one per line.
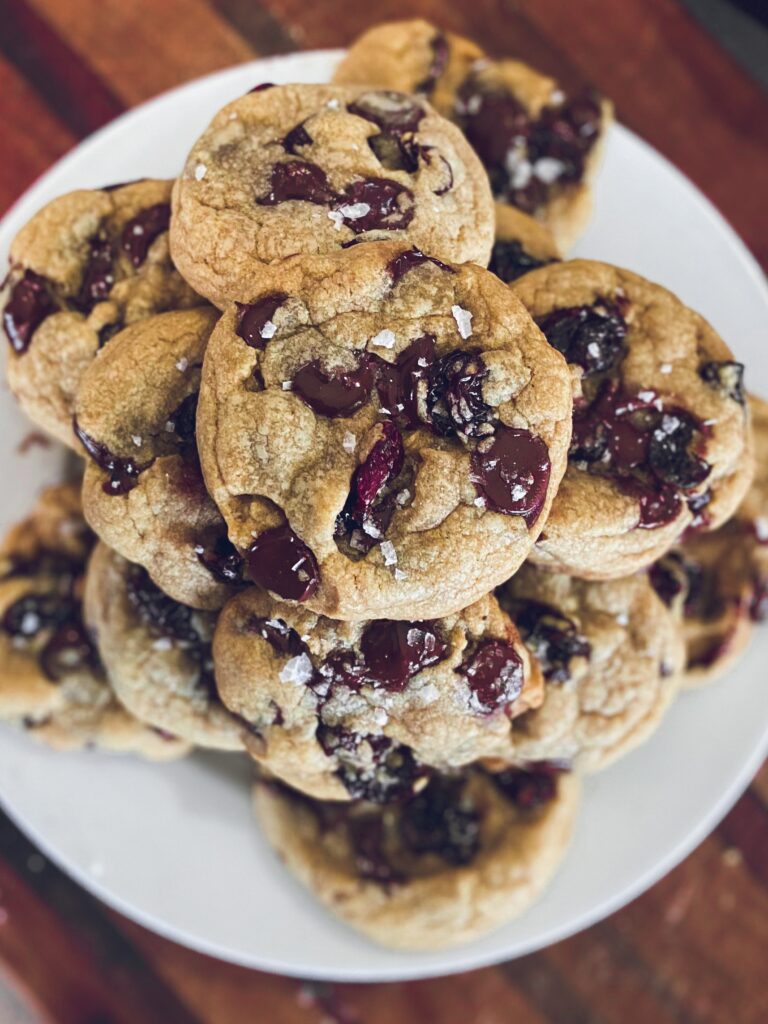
539, 146
359, 710
382, 432
661, 432
718, 582
310, 169
52, 682
466, 854
157, 653
143, 492
611, 654
89, 263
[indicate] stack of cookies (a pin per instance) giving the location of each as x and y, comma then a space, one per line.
428, 541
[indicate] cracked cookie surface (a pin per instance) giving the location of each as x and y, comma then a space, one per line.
157, 653
143, 491
52, 683
88, 264
661, 432
310, 169
612, 656
465, 855
361, 710
383, 433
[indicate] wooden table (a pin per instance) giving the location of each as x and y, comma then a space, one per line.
693, 949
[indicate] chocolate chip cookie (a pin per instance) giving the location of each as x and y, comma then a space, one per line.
157, 653
661, 432
360, 710
143, 492
462, 857
313, 169
611, 654
86, 265
718, 582
383, 432
52, 683
540, 147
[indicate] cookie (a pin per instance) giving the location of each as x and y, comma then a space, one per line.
611, 654
157, 653
359, 710
718, 582
313, 169
464, 856
661, 432
143, 492
540, 148
86, 265
52, 683
382, 432
522, 244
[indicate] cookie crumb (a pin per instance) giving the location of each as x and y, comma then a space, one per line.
463, 319
297, 671
384, 339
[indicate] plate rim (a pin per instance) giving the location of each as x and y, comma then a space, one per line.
460, 958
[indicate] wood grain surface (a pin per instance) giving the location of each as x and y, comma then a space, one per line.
694, 949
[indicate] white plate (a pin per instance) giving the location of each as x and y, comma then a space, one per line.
174, 847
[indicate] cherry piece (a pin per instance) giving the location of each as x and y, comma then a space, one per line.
98, 277
439, 821
659, 503
727, 377
455, 400
669, 451
669, 578
123, 473
390, 777
365, 514
511, 472
398, 382
529, 788
551, 637
29, 304
261, 88
337, 393
139, 233
279, 561
440, 54
298, 136
509, 260
394, 112
390, 205
593, 337
394, 652
494, 673
222, 559
279, 635
298, 179
410, 258
254, 319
